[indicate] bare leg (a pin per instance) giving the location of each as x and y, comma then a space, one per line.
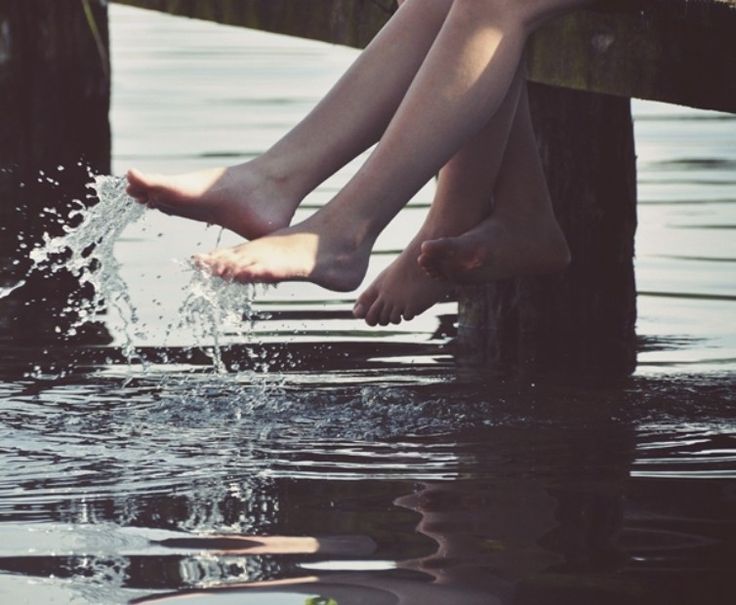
460, 86
260, 196
521, 237
462, 200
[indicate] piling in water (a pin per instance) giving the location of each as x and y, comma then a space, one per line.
54, 129
584, 319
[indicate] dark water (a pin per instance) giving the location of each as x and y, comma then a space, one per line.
361, 465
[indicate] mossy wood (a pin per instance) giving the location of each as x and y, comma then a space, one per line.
54, 77
679, 51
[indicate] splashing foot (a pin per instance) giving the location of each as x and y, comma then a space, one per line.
310, 252
497, 249
240, 198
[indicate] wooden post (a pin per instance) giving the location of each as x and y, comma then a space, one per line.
583, 320
55, 82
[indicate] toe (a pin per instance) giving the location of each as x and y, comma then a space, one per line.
148, 185
200, 260
438, 257
411, 311
137, 187
213, 268
374, 313
365, 301
428, 266
433, 247
395, 316
385, 317
212, 262
359, 311
425, 262
136, 179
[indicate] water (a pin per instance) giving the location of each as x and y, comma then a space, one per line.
86, 250
357, 464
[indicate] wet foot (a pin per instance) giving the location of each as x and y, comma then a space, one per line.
497, 249
401, 291
306, 252
240, 198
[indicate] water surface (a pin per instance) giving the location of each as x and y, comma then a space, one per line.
365, 464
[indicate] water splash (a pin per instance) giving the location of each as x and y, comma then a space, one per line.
212, 307
87, 252
7, 291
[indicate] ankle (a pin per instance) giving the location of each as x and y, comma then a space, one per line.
276, 176
349, 237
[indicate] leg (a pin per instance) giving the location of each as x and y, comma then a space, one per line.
462, 201
260, 196
521, 237
460, 86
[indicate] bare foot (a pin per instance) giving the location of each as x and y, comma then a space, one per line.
240, 198
497, 249
401, 291
309, 252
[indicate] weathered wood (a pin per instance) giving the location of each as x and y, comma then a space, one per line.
347, 22
54, 77
678, 51
583, 319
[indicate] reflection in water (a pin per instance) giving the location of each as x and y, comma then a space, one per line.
566, 495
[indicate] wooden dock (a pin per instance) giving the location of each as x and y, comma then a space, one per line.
584, 67
678, 51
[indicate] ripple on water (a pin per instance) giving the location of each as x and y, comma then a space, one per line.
97, 438
686, 450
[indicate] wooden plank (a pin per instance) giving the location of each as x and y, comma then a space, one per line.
678, 51
347, 22
672, 51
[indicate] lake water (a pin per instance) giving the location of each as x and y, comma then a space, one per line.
359, 464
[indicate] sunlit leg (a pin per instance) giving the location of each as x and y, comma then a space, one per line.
462, 200
460, 86
260, 196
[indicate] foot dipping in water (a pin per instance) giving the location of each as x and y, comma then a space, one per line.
454, 102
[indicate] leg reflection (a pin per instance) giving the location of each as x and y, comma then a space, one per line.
486, 540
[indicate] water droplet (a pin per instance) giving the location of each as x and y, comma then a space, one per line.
7, 291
